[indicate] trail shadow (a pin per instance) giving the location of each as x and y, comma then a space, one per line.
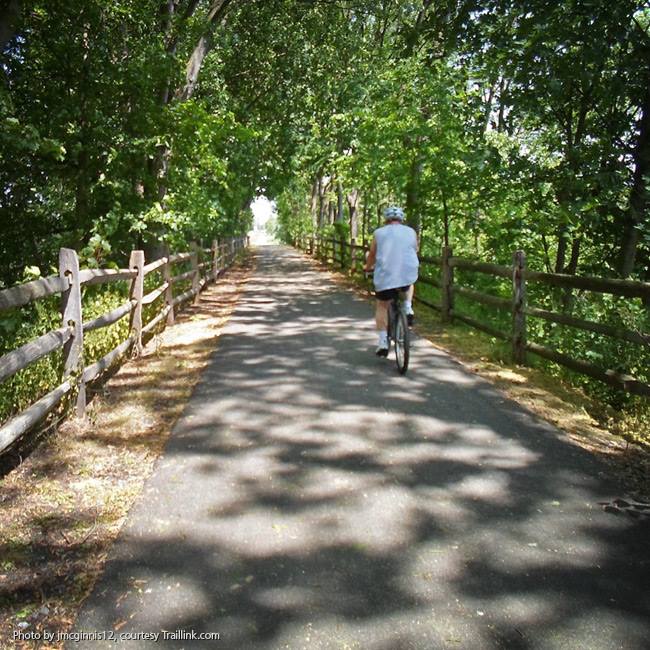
312, 497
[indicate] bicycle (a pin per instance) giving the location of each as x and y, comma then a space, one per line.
398, 331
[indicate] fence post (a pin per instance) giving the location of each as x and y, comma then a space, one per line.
215, 259
518, 307
196, 276
71, 315
447, 275
169, 291
353, 255
136, 263
232, 251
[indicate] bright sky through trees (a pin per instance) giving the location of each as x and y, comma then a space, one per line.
262, 209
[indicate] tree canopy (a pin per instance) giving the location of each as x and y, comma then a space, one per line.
499, 124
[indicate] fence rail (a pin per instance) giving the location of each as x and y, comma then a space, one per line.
101, 276
70, 336
334, 251
31, 291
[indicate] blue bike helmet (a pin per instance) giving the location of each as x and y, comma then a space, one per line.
393, 212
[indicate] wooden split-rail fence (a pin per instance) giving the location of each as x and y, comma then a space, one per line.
205, 265
350, 256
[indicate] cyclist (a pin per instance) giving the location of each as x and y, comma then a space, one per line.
393, 254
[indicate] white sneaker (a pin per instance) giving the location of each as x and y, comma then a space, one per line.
382, 345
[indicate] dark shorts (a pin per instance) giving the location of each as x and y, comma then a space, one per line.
389, 294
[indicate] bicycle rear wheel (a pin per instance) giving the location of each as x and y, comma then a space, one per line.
402, 342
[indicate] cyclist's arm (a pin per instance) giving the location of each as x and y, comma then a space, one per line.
372, 256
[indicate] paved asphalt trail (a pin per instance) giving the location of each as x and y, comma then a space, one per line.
310, 497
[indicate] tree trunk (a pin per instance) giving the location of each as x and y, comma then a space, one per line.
568, 297
547, 256
321, 202
82, 216
352, 199
488, 108
414, 33
501, 121
413, 189
560, 257
445, 216
339, 202
314, 204
637, 212
167, 11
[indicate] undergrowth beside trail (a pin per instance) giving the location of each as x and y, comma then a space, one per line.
62, 507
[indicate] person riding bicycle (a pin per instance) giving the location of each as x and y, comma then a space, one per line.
393, 254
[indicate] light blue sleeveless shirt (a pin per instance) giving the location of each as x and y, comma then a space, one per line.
397, 258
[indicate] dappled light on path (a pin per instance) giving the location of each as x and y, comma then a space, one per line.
312, 497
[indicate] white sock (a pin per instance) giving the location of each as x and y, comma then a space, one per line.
383, 339
408, 307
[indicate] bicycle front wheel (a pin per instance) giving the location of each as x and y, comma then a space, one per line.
402, 343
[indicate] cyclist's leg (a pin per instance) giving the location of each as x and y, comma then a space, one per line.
381, 323
407, 303
381, 315
383, 299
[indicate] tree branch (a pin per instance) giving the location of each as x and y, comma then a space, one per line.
215, 13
